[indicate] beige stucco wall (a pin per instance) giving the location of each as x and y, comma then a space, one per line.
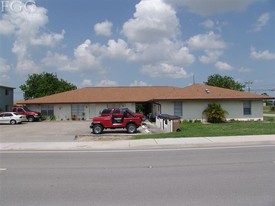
192, 110
62, 111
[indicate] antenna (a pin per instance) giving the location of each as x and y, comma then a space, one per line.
248, 84
194, 82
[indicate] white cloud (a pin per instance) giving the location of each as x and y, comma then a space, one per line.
206, 41
223, 66
262, 55
212, 44
244, 70
139, 83
107, 83
213, 25
211, 56
6, 27
86, 83
181, 56
4, 71
48, 39
164, 70
212, 7
261, 21
27, 66
55, 59
103, 28
118, 49
4, 67
208, 24
26, 26
153, 21
5, 79
87, 58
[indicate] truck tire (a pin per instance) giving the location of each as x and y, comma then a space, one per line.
131, 128
31, 118
97, 129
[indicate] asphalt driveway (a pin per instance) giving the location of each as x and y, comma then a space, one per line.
53, 131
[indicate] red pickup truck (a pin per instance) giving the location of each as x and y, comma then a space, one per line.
114, 120
31, 115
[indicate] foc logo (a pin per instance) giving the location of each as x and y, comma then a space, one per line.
18, 6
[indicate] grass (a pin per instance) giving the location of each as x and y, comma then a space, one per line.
269, 110
222, 129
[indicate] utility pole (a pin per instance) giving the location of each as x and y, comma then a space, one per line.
248, 84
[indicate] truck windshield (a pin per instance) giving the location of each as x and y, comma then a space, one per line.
26, 109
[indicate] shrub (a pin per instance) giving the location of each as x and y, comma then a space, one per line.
215, 113
197, 121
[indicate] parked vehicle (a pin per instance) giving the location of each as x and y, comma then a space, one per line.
31, 115
114, 120
119, 112
12, 118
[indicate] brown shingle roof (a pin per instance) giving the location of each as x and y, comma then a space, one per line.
144, 94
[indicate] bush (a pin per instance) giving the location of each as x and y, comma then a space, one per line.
215, 113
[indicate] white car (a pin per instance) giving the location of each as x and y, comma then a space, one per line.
12, 118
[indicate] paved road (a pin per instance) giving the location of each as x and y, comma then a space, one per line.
203, 176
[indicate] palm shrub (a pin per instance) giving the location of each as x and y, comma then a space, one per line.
215, 113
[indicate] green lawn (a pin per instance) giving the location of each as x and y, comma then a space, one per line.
269, 110
223, 129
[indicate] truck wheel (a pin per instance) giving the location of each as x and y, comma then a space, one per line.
131, 128
31, 119
97, 129
13, 121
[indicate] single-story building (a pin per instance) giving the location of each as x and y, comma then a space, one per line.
187, 102
6, 98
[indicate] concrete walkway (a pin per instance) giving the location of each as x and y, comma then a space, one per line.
139, 144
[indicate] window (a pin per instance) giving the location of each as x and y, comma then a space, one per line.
77, 110
178, 109
6, 92
247, 108
47, 110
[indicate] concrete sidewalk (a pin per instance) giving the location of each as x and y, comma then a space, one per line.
139, 144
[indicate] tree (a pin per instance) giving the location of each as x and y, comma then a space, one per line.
215, 113
224, 82
44, 84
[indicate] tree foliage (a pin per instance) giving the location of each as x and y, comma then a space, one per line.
224, 82
44, 84
215, 113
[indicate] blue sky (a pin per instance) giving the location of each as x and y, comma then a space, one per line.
138, 42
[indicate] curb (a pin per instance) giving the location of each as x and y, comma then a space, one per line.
139, 144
